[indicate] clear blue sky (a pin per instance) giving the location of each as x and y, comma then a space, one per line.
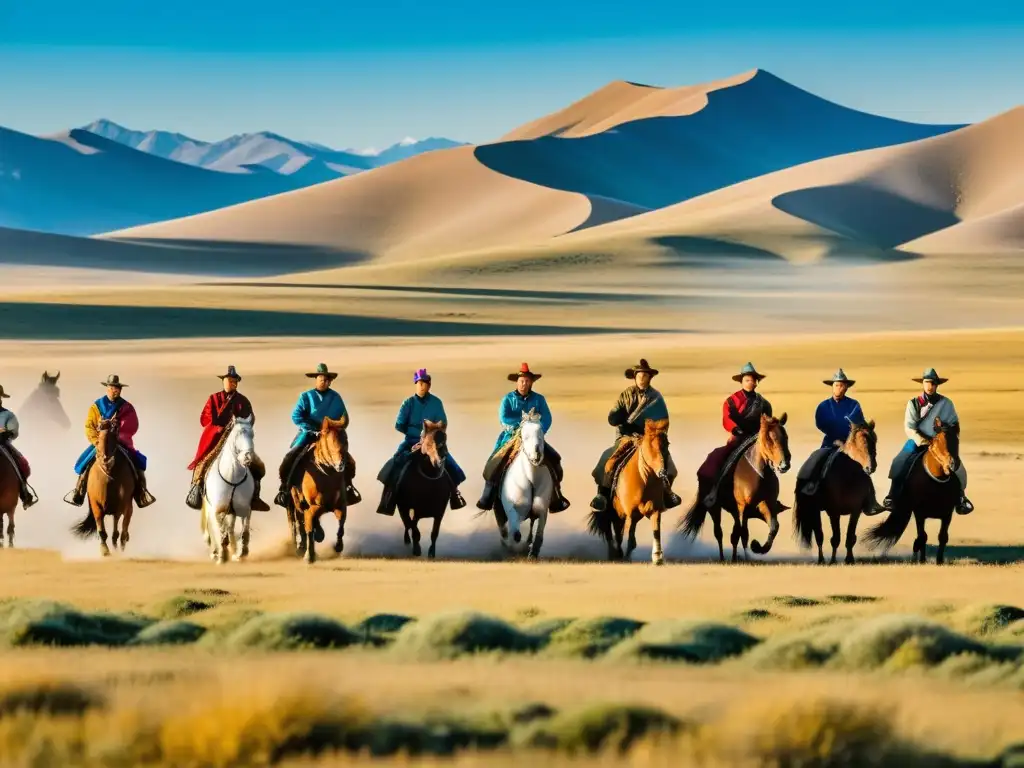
354, 73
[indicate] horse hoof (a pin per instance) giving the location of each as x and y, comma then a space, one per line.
431, 553
659, 561
339, 547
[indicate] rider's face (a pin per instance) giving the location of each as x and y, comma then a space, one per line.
230, 384
422, 388
839, 389
642, 379
524, 385
113, 392
323, 383
749, 383
929, 387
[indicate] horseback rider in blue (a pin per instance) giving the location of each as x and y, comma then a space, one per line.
416, 409
833, 418
919, 424
313, 406
510, 413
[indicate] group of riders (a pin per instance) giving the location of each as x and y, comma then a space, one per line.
639, 402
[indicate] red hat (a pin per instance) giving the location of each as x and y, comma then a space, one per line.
524, 370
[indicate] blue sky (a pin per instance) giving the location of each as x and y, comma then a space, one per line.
351, 73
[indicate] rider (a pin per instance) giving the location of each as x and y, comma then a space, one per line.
635, 405
833, 418
517, 402
415, 409
112, 404
8, 434
919, 424
313, 407
221, 407
741, 418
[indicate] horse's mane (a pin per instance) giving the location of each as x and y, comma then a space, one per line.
320, 455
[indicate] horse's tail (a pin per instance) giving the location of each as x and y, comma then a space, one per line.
86, 528
806, 518
889, 531
597, 524
694, 518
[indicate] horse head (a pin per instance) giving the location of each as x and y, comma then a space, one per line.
434, 442
531, 437
945, 446
773, 442
45, 401
240, 439
654, 446
861, 445
332, 445
106, 445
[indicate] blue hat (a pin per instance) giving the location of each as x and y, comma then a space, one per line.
321, 370
840, 375
748, 370
931, 375
231, 374
421, 375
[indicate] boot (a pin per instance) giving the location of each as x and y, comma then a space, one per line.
486, 497
283, 496
671, 498
352, 496
890, 500
194, 500
78, 495
143, 498
558, 502
455, 501
27, 497
964, 506
387, 502
600, 502
258, 504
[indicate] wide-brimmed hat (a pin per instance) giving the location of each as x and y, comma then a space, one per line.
931, 375
748, 370
524, 370
2, 393
641, 367
231, 374
321, 370
421, 375
839, 375
113, 380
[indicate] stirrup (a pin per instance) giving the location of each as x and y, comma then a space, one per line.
964, 506
456, 501
672, 499
28, 500
144, 499
560, 506
282, 498
599, 503
352, 496
69, 498
194, 499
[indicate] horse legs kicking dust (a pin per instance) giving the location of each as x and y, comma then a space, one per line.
229, 487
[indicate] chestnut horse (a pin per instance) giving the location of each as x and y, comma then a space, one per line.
10, 495
931, 491
749, 489
846, 490
111, 489
321, 489
424, 490
639, 492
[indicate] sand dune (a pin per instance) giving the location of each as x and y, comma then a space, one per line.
433, 203
626, 155
79, 183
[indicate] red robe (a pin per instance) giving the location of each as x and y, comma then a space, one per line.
734, 414
217, 414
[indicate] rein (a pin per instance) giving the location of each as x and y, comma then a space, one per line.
424, 475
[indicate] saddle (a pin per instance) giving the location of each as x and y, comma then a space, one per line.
8, 453
207, 461
618, 460
810, 484
712, 497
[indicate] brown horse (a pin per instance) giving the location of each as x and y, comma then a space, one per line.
424, 490
639, 492
846, 490
10, 495
931, 491
111, 490
321, 489
750, 489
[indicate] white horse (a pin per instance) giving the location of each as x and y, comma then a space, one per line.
527, 489
227, 494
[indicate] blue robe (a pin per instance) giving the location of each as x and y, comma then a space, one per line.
108, 408
511, 410
409, 422
311, 410
833, 418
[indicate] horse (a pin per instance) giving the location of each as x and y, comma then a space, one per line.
110, 488
424, 489
846, 490
321, 489
227, 495
639, 491
10, 495
526, 489
44, 403
754, 485
931, 492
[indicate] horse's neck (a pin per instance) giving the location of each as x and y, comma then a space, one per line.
227, 463
933, 465
755, 457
